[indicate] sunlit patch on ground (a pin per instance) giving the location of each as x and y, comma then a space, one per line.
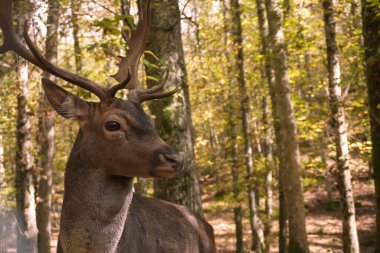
323, 227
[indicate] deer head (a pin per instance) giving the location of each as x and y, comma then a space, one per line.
117, 135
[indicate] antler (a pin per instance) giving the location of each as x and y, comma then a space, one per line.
34, 56
129, 65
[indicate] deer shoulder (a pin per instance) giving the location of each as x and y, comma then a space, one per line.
150, 220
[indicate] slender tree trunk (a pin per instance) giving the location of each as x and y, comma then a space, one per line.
25, 192
371, 28
238, 215
286, 136
2, 168
269, 74
74, 5
232, 133
267, 151
3, 185
173, 115
46, 138
282, 231
3, 182
255, 220
350, 236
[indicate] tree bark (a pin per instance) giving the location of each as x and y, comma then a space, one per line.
25, 191
3, 185
231, 151
338, 124
2, 168
3, 182
269, 75
236, 32
286, 131
46, 137
173, 115
371, 28
267, 151
74, 5
282, 231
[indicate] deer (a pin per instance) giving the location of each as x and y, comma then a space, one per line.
116, 142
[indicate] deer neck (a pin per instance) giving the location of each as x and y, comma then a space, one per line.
95, 206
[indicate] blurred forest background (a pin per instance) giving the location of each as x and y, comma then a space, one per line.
272, 118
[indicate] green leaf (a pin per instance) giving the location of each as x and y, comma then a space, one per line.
152, 54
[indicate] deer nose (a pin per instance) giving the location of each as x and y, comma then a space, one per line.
173, 159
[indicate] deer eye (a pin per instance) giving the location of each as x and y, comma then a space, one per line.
112, 126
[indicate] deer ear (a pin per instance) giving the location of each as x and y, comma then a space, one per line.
65, 103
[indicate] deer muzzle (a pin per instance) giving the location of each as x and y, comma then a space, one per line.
170, 164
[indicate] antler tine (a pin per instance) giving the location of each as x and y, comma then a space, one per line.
113, 90
146, 97
141, 96
34, 56
82, 82
136, 45
159, 86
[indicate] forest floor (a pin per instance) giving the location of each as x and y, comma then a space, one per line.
323, 226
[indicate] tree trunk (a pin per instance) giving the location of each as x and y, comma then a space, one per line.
337, 121
267, 151
74, 5
173, 115
371, 28
236, 32
269, 76
3, 185
282, 231
3, 182
286, 136
46, 138
25, 192
231, 153
2, 168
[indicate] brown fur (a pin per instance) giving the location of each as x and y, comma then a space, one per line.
100, 213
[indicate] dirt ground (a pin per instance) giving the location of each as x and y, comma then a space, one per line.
323, 227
